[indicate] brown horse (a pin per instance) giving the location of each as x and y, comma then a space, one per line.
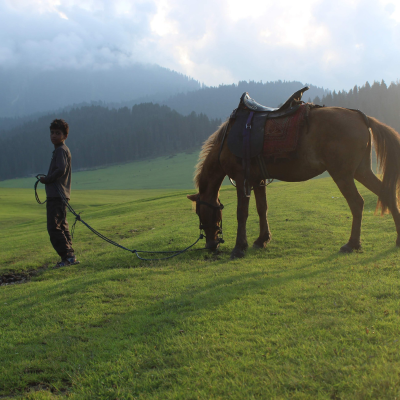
336, 140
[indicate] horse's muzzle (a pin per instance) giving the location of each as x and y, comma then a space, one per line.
212, 245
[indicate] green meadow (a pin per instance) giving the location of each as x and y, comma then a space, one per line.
171, 172
297, 320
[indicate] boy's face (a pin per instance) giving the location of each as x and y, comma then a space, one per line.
57, 137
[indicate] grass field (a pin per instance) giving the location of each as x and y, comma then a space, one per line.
297, 320
172, 172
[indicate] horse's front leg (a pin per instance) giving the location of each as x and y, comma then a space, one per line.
261, 203
242, 214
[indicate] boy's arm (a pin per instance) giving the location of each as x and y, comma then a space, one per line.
61, 166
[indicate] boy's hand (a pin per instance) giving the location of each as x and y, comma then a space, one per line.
42, 179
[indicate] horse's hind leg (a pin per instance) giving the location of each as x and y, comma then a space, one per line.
371, 182
356, 204
261, 203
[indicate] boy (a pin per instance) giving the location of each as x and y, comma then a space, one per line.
59, 178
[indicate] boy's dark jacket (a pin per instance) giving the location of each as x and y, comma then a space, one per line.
60, 172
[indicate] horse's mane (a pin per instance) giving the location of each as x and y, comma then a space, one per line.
215, 138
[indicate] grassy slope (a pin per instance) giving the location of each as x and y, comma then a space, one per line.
297, 320
174, 172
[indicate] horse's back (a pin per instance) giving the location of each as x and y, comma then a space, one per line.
337, 124
338, 137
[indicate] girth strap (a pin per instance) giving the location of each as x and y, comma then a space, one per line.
246, 154
264, 171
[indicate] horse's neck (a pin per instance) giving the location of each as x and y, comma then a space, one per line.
211, 176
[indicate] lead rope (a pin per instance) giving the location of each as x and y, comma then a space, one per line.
110, 241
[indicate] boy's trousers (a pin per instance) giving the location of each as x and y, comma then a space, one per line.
57, 226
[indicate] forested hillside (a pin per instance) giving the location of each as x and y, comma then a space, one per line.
99, 136
218, 102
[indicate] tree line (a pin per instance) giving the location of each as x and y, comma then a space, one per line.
100, 136
377, 100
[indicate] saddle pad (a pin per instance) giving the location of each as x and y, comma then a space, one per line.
281, 135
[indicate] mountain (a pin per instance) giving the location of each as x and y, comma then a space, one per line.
184, 96
28, 91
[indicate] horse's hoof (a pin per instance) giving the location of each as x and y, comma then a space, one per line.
348, 248
261, 244
237, 253
257, 245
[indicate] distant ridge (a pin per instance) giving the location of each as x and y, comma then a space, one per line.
27, 91
215, 102
218, 102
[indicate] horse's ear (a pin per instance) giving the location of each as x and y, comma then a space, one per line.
192, 197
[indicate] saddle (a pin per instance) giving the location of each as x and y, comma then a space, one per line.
248, 121
247, 103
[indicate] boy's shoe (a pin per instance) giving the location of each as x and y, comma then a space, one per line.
72, 260
66, 262
62, 263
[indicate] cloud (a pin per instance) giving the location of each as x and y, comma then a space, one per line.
69, 34
331, 44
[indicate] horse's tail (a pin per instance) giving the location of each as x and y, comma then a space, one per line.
387, 147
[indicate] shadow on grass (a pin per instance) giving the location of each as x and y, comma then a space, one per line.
106, 338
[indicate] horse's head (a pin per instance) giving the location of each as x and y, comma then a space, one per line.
210, 215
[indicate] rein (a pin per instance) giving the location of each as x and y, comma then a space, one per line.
173, 253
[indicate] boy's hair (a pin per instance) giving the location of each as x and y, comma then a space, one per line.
61, 125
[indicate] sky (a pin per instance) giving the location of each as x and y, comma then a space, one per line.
331, 44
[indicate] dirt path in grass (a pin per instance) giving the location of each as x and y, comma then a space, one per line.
12, 278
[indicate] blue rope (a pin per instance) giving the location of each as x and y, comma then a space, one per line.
110, 241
